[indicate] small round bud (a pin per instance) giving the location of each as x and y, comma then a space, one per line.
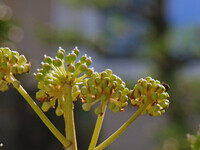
46, 106
22, 60
57, 62
88, 61
86, 106
72, 57
60, 55
20, 69
82, 67
48, 60
111, 106
4, 65
3, 86
39, 76
84, 90
76, 51
83, 58
89, 72
98, 110
71, 68
59, 111
46, 67
77, 64
89, 99
116, 109
16, 84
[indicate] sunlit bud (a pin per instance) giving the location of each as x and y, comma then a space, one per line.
83, 58
16, 84
88, 61
77, 64
39, 76
163, 96
57, 62
97, 80
154, 96
118, 93
76, 51
124, 98
14, 69
46, 66
7, 51
3, 86
86, 106
89, 72
72, 57
41, 95
125, 91
60, 54
82, 67
103, 74
98, 110
48, 60
59, 111
89, 99
46, 106
13, 59
164, 103
15, 53
22, 60
109, 72
84, 90
27, 67
4, 65
71, 68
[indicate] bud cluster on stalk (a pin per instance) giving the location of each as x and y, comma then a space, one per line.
104, 87
53, 76
11, 63
152, 92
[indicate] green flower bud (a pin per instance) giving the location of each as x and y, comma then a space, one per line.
124, 98
59, 111
67, 59
83, 58
82, 67
14, 69
111, 106
86, 106
20, 69
154, 96
77, 65
71, 68
3, 86
4, 65
27, 67
89, 99
15, 53
16, 84
76, 51
13, 59
39, 76
46, 67
88, 61
98, 110
41, 95
97, 80
109, 72
46, 106
60, 55
89, 72
72, 57
48, 59
84, 90
22, 60
57, 62
125, 91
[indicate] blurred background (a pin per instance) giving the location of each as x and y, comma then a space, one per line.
134, 38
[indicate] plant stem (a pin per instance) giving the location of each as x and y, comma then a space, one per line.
115, 135
69, 118
98, 127
43, 117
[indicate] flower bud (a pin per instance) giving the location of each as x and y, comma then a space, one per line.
48, 60
103, 98
82, 67
59, 111
88, 61
71, 68
46, 67
22, 60
3, 86
76, 51
57, 62
98, 110
46, 106
60, 54
16, 84
111, 106
39, 76
86, 106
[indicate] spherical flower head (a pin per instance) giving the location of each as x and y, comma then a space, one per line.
104, 87
11, 63
151, 92
53, 77
194, 140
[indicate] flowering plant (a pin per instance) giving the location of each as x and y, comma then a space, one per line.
60, 86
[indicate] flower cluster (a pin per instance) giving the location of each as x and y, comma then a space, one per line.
11, 63
106, 88
53, 78
194, 140
151, 92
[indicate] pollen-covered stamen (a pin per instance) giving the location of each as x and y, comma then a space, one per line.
152, 92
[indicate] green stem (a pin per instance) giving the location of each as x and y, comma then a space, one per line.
98, 127
43, 117
69, 118
115, 135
